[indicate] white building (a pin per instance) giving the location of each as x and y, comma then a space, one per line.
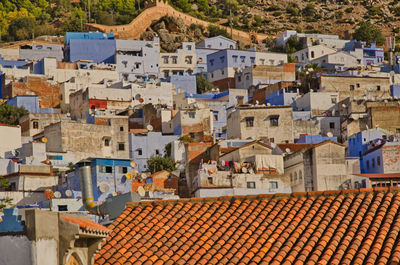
10, 138
182, 62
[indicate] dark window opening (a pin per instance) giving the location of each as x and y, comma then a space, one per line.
109, 169
249, 121
121, 146
251, 185
62, 208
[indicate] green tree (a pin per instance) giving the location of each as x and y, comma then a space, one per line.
4, 202
309, 10
203, 85
183, 5
156, 164
11, 114
369, 33
203, 5
232, 5
293, 45
22, 28
75, 21
214, 31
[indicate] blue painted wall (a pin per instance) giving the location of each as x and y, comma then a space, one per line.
148, 144
97, 51
281, 97
185, 83
315, 139
395, 91
116, 180
30, 103
359, 142
230, 58
201, 55
11, 221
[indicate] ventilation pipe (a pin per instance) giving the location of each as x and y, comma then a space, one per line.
87, 188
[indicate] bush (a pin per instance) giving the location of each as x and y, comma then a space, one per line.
214, 31
203, 85
273, 8
369, 33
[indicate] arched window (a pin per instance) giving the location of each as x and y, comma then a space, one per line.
295, 176
300, 175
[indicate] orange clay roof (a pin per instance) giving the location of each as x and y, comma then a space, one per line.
336, 227
87, 224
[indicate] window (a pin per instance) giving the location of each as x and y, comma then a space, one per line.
332, 125
157, 152
200, 60
271, 140
378, 88
262, 61
215, 113
274, 121
249, 121
210, 180
234, 57
166, 74
351, 87
165, 59
271, 62
273, 185
11, 187
242, 59
295, 176
122, 170
192, 114
251, 185
63, 208
291, 177
247, 77
358, 85
253, 60
222, 59
302, 57
121, 146
378, 160
212, 62
140, 152
188, 59
333, 100
35, 125
191, 135
121, 129
222, 72
106, 142
300, 175
189, 47
367, 164
373, 162
125, 63
174, 59
108, 169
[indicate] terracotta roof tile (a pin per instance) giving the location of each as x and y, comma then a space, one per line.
335, 227
87, 225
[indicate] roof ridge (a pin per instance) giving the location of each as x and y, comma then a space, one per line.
263, 196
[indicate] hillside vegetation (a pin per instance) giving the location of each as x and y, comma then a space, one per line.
24, 19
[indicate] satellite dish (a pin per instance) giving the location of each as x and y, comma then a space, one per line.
138, 96
344, 106
287, 150
356, 118
104, 187
133, 164
257, 102
114, 194
151, 194
386, 101
44, 140
128, 175
141, 191
57, 194
329, 134
269, 104
68, 193
149, 127
141, 100
244, 170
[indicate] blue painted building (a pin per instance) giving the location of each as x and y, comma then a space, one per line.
315, 139
395, 91
92, 46
13, 64
283, 97
183, 83
201, 55
109, 178
30, 103
371, 54
142, 146
231, 59
358, 143
218, 42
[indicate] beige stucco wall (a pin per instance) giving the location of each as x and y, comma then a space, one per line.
10, 138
